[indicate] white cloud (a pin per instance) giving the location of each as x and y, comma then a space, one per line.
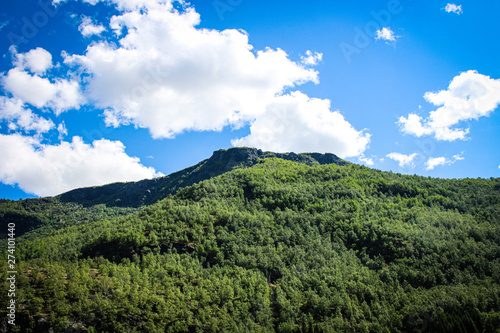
52, 169
18, 117
366, 160
31, 89
311, 59
403, 159
37, 61
87, 28
470, 95
452, 8
170, 77
386, 34
298, 123
433, 162
413, 125
114, 119
40, 92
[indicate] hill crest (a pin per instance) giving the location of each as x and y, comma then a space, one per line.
149, 191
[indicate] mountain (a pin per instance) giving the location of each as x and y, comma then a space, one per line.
90, 204
271, 245
149, 191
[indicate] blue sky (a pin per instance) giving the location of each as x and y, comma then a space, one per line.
94, 92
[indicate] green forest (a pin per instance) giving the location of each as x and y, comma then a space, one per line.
278, 246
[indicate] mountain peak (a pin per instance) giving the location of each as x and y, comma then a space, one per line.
242, 154
148, 191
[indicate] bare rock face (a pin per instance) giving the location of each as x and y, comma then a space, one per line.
251, 156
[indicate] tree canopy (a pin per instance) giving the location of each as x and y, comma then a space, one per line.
277, 247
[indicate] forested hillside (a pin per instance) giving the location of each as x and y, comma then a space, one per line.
280, 246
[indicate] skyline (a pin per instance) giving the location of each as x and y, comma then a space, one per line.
97, 92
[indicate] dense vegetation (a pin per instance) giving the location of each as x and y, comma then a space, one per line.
279, 246
46, 214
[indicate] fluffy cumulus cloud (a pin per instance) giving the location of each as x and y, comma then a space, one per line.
402, 159
453, 8
60, 95
18, 117
37, 60
168, 76
366, 160
386, 34
470, 95
298, 123
27, 82
87, 28
52, 169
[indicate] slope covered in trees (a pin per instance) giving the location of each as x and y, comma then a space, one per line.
280, 246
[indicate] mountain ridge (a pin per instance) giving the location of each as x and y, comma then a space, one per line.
89, 204
149, 191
